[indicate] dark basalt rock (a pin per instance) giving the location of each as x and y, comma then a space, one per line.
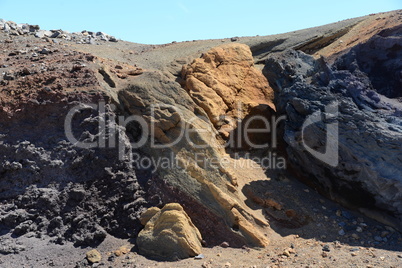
52, 188
363, 87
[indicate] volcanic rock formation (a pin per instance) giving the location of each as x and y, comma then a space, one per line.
225, 84
364, 86
93, 135
199, 173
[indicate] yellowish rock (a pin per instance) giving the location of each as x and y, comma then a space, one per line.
224, 82
118, 253
124, 249
93, 256
169, 234
147, 215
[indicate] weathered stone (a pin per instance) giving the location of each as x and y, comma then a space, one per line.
6, 27
224, 244
56, 34
34, 28
43, 33
225, 84
113, 39
199, 183
148, 214
93, 256
44, 51
169, 234
361, 88
9, 76
13, 25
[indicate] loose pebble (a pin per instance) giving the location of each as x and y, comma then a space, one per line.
224, 244
326, 248
199, 257
228, 264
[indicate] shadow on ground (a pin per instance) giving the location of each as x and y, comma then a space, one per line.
292, 208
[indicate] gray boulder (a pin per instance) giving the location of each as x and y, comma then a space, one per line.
43, 33
6, 27
34, 28
355, 107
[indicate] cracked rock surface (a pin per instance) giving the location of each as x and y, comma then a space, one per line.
365, 86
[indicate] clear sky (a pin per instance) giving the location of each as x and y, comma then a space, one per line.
164, 21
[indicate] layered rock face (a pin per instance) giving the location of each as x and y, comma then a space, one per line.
358, 98
225, 84
168, 234
223, 76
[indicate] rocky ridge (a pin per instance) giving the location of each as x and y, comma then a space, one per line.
85, 37
49, 187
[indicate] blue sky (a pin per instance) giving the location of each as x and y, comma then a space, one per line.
164, 21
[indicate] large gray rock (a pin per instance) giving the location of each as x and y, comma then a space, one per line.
360, 98
43, 33
6, 27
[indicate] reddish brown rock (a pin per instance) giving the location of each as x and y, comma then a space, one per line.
226, 85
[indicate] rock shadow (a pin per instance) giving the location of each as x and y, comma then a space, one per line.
293, 208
